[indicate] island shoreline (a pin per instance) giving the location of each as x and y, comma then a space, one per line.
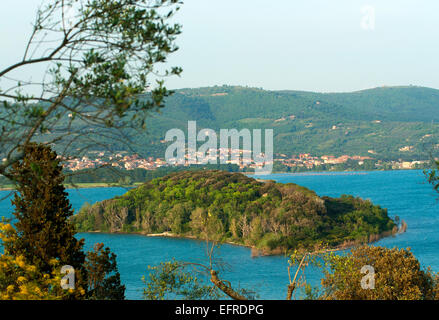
258, 252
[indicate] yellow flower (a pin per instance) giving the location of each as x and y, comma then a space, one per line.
21, 279
31, 268
20, 261
6, 227
53, 262
23, 289
10, 288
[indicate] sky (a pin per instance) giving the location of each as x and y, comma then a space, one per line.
313, 45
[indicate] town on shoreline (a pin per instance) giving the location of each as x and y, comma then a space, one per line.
282, 162
128, 166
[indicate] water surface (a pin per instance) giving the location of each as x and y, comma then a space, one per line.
403, 193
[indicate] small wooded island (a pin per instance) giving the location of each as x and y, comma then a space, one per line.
232, 207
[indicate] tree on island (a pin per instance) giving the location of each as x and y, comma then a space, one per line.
189, 280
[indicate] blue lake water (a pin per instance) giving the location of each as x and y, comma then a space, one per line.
403, 193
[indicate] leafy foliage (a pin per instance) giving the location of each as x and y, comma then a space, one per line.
102, 275
101, 64
42, 211
43, 239
177, 280
433, 176
398, 276
20, 280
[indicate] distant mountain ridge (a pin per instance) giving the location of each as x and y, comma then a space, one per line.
402, 103
383, 119
386, 123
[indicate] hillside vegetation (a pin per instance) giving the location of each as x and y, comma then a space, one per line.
235, 208
383, 119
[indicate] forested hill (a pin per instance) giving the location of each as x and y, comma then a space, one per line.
228, 103
235, 208
406, 104
383, 119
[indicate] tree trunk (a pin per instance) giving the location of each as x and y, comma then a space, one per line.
224, 288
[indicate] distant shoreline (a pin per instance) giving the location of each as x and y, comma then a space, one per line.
250, 174
84, 186
330, 172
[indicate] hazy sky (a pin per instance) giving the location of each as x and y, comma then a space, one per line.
316, 45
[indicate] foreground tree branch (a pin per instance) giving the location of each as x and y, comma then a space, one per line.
226, 288
103, 76
305, 259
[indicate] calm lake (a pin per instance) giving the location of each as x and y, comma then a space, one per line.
403, 193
